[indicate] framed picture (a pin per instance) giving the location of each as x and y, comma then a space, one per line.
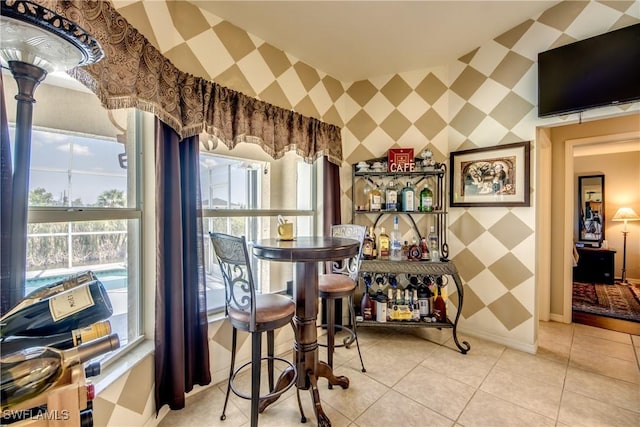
491, 176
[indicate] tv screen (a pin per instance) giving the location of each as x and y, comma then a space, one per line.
598, 71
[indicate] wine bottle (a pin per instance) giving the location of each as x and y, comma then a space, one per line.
440, 307
60, 341
63, 312
366, 305
51, 289
29, 372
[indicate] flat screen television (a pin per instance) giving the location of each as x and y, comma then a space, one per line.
595, 72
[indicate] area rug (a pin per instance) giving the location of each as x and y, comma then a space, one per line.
618, 301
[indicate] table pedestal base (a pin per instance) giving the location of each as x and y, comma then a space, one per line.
311, 384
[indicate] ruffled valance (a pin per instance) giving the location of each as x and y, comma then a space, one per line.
134, 74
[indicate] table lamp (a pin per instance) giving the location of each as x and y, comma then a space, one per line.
33, 41
625, 214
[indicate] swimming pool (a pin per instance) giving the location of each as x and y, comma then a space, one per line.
111, 279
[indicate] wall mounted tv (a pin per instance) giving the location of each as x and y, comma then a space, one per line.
595, 72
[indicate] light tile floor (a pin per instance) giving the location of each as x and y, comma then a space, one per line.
581, 376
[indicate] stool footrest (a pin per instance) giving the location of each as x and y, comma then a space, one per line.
271, 394
346, 341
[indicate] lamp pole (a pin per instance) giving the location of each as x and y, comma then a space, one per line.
27, 77
624, 254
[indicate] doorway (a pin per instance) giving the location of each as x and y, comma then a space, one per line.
556, 197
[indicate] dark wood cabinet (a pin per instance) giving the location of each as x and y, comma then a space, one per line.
595, 266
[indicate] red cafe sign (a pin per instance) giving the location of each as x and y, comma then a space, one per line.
401, 160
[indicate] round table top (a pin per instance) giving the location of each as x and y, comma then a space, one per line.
305, 249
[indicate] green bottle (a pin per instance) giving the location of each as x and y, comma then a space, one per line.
426, 199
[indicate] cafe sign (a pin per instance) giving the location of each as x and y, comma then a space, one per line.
401, 160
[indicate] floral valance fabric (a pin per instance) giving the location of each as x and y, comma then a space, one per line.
134, 74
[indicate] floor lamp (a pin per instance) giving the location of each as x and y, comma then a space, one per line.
33, 42
625, 214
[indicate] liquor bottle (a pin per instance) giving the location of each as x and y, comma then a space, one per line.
391, 196
366, 305
424, 300
434, 253
368, 245
408, 198
440, 307
415, 315
29, 372
383, 244
415, 253
60, 341
375, 199
395, 244
73, 309
424, 249
426, 199
51, 289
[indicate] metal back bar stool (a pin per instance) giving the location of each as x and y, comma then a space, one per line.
341, 283
253, 313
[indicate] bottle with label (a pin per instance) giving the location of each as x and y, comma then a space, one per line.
51, 289
424, 249
434, 253
415, 315
383, 244
415, 253
73, 309
60, 341
391, 196
440, 307
375, 199
366, 305
408, 198
395, 249
426, 199
424, 300
368, 245
30, 372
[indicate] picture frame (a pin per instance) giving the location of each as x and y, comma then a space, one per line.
491, 176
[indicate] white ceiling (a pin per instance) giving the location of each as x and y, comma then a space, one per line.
356, 40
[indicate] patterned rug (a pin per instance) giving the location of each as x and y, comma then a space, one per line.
619, 301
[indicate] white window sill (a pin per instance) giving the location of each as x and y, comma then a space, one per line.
116, 368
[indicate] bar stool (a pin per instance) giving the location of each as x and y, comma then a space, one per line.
254, 313
341, 283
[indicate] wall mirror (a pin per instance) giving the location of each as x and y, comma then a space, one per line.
591, 209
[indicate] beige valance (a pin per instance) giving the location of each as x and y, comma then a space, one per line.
134, 74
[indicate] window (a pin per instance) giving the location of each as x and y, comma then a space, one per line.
243, 196
85, 213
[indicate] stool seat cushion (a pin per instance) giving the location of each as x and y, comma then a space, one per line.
269, 308
330, 283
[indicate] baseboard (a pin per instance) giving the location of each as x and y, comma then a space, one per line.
557, 318
499, 339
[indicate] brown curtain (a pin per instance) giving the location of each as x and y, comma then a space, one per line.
134, 74
181, 346
6, 184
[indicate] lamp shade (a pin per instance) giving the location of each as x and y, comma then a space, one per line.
38, 36
625, 214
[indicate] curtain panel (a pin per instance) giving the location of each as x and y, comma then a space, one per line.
181, 329
134, 74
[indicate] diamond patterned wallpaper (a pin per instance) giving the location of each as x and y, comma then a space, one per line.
487, 97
